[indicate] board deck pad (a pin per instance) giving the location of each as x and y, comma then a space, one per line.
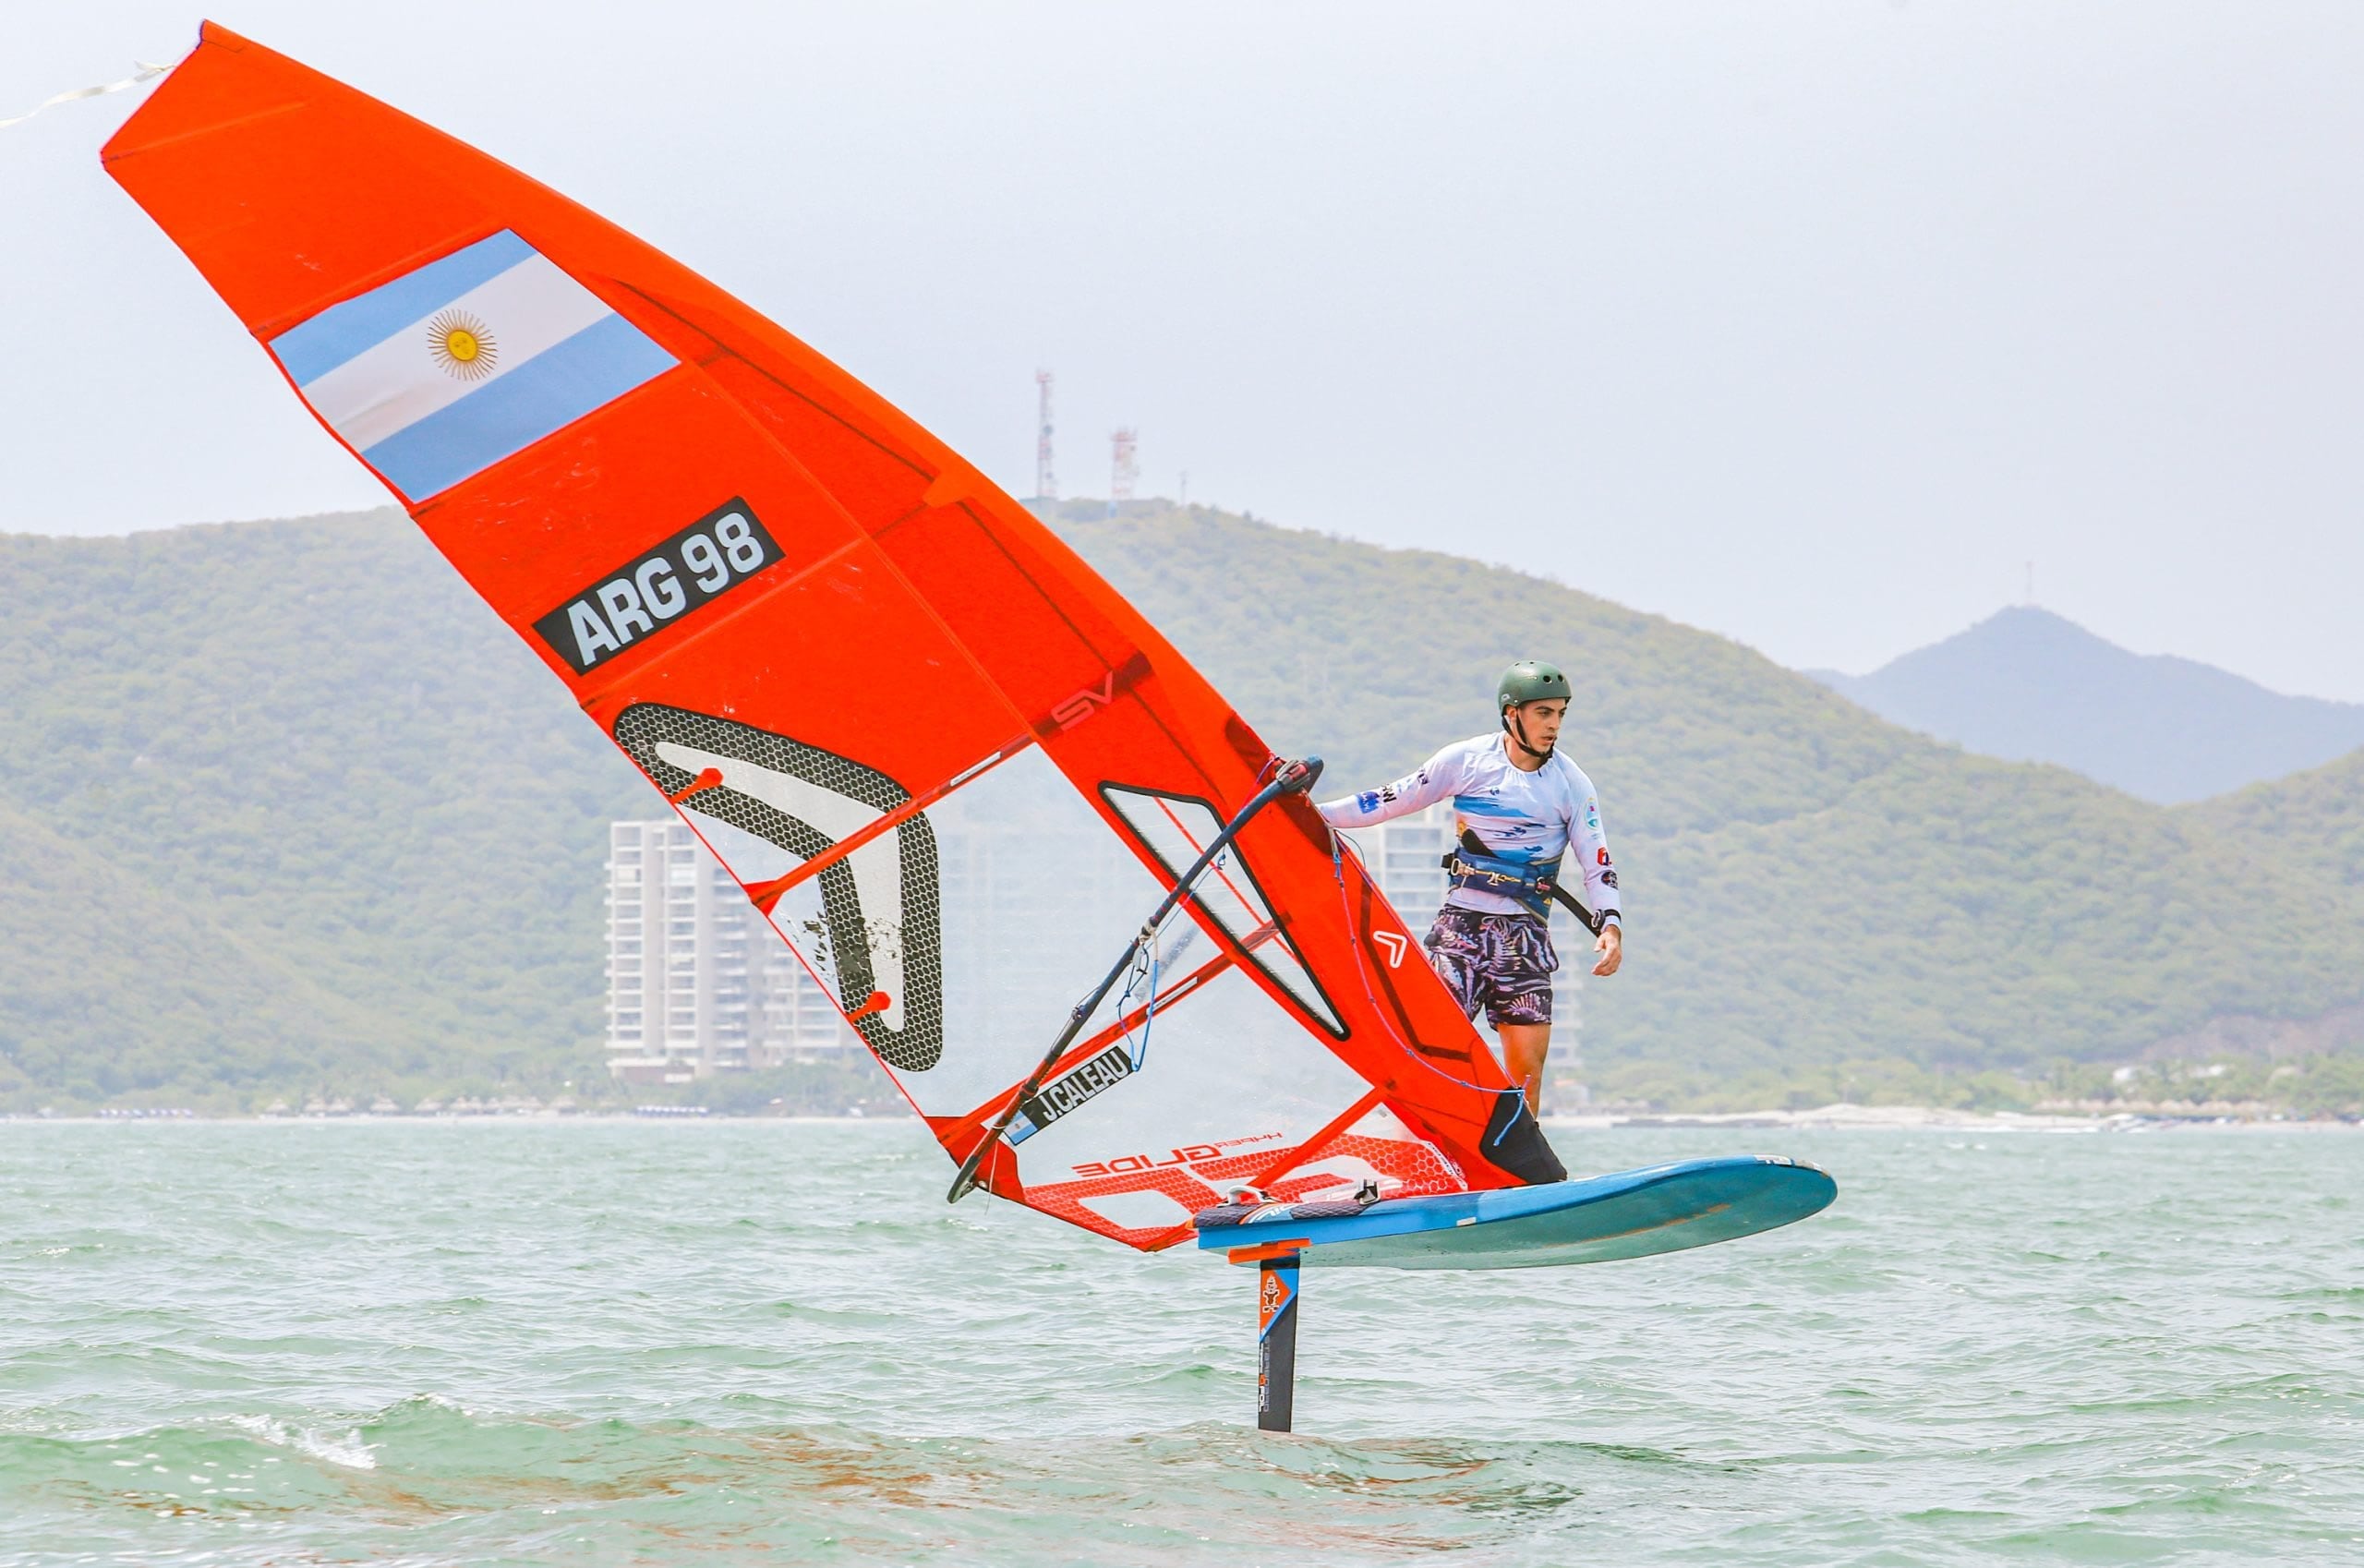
1600, 1219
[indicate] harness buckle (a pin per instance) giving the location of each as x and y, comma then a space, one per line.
1529, 883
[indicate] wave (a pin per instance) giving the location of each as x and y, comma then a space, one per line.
429, 1481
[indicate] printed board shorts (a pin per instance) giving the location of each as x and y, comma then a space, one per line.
1502, 963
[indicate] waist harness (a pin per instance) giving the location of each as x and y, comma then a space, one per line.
1530, 883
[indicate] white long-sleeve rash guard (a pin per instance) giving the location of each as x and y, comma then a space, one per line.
1515, 815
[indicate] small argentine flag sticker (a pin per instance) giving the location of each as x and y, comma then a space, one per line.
442, 373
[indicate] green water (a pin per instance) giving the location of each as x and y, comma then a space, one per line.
717, 1344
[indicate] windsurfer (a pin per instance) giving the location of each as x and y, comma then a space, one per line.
1521, 807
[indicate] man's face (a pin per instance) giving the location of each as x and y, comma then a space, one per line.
1540, 722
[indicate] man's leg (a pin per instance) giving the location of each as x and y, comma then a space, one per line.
1519, 968
1454, 951
1524, 1047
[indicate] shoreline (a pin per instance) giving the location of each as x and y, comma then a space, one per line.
1835, 1117
1909, 1118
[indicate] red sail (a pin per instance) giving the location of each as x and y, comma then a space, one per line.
887, 697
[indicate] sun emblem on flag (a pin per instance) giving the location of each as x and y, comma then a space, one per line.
462, 346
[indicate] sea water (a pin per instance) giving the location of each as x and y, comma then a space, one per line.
711, 1343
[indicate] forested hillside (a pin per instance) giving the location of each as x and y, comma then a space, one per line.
287, 809
299, 763
2318, 815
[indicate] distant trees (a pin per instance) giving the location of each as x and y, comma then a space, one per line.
287, 812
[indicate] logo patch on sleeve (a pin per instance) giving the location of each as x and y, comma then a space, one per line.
641, 598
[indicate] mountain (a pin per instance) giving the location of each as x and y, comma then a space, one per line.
2026, 685
299, 761
109, 985
287, 809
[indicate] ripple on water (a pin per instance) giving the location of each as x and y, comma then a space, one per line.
463, 1344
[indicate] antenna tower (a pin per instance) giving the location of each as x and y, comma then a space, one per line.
1047, 483
1122, 469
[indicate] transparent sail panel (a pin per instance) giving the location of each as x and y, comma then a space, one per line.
798, 915
1178, 831
1039, 898
956, 938
970, 971
747, 857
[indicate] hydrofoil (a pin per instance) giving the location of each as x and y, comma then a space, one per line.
1634, 1213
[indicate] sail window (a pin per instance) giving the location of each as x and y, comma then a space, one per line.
1177, 829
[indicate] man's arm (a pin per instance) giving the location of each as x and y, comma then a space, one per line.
1588, 844
1436, 780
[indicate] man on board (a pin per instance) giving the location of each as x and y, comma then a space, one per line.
1520, 809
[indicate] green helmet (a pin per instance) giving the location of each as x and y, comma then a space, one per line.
1530, 681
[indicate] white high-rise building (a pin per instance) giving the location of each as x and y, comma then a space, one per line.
698, 983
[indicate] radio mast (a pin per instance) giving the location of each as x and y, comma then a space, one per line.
1047, 483
1122, 469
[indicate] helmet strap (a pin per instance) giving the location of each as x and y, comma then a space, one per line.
1516, 730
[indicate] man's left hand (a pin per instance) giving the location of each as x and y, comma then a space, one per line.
1612, 948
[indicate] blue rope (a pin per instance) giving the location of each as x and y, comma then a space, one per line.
1139, 1049
1362, 970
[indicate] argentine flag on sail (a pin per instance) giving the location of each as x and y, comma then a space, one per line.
442, 373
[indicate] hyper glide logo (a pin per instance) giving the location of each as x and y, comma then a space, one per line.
694, 567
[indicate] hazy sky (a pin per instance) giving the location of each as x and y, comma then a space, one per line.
1809, 323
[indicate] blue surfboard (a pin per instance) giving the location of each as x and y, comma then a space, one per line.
1598, 1220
